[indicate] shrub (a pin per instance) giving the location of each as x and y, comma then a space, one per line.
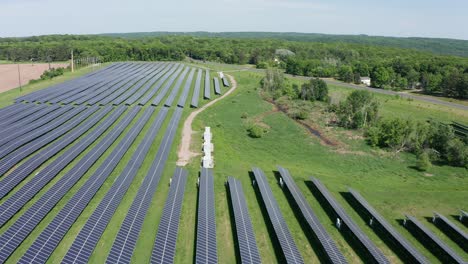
256, 131
360, 109
423, 163
244, 115
262, 65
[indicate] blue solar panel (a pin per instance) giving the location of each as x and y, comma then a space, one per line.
206, 250
49, 238
176, 88
328, 245
17, 232
245, 236
124, 243
162, 93
166, 238
89, 235
288, 246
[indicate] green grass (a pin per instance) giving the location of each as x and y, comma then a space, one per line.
387, 181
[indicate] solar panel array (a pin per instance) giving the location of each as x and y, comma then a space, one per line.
165, 243
366, 243
49, 238
206, 250
329, 247
12, 159
288, 246
413, 253
245, 236
445, 253
14, 203
17, 232
186, 90
127, 236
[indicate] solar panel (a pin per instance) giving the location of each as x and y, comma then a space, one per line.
206, 250
245, 236
166, 238
176, 88
14, 203
28, 121
9, 135
11, 112
411, 252
207, 94
463, 217
20, 115
186, 90
89, 235
167, 86
328, 245
167, 73
225, 82
23, 170
452, 230
443, 252
124, 243
366, 243
196, 91
49, 238
163, 69
15, 157
17, 232
217, 88
11, 146
285, 239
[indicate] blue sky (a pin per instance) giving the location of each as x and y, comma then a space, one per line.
423, 18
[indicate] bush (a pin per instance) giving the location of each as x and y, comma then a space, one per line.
244, 115
256, 131
457, 153
423, 163
52, 73
262, 65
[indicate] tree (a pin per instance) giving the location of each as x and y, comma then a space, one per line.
424, 162
315, 89
360, 109
345, 73
380, 76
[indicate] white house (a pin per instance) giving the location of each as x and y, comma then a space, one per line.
366, 81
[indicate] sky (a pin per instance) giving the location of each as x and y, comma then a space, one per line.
402, 18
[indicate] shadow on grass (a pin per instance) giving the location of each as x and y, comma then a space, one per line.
391, 242
313, 240
350, 238
271, 231
233, 224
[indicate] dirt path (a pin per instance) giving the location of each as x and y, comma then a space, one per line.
184, 154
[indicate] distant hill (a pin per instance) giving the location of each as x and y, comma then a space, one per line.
436, 45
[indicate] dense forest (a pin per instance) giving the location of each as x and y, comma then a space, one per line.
388, 67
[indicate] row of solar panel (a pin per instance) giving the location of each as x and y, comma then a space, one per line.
127, 83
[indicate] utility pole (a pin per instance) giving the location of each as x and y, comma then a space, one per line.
72, 62
19, 78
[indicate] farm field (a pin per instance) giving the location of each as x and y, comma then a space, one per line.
9, 73
116, 133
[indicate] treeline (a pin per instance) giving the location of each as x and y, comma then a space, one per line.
389, 68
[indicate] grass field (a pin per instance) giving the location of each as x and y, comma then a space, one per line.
387, 181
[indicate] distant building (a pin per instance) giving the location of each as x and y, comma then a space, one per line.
366, 81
